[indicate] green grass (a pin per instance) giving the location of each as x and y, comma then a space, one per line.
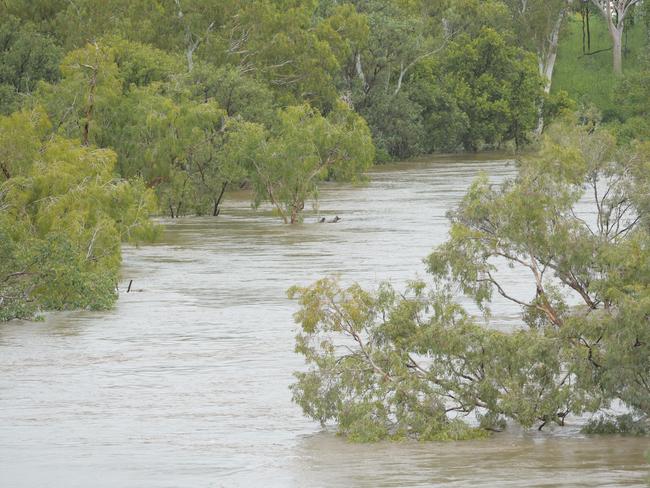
590, 79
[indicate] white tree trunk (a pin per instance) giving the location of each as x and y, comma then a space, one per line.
615, 12
617, 47
546, 61
359, 70
551, 52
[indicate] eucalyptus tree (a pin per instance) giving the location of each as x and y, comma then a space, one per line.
616, 13
286, 44
493, 90
415, 364
376, 76
239, 95
89, 89
302, 149
538, 24
211, 146
63, 215
26, 57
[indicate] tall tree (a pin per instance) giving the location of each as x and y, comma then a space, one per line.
495, 92
538, 24
26, 57
615, 13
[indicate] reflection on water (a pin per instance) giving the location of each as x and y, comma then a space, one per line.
185, 383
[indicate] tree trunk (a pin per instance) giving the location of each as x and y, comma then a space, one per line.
360, 73
615, 12
217, 201
617, 47
91, 106
5, 170
588, 32
276, 204
551, 54
547, 64
548, 55
296, 208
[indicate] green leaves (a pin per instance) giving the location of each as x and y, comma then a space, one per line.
303, 148
26, 56
384, 364
63, 216
21, 135
495, 85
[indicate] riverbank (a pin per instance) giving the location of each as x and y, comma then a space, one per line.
588, 78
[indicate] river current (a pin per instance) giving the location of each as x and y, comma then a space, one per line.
185, 383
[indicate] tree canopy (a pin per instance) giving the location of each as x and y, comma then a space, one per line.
113, 111
63, 216
416, 364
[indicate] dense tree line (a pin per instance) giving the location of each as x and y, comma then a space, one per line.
113, 110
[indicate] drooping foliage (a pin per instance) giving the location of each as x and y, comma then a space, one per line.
63, 215
304, 148
415, 364
256, 57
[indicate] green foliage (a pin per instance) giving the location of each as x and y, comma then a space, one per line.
493, 90
303, 148
186, 99
534, 20
62, 218
231, 89
377, 78
413, 364
632, 98
621, 424
26, 56
396, 124
376, 389
90, 88
141, 64
21, 135
557, 105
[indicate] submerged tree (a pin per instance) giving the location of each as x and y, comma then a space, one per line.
386, 364
304, 148
63, 215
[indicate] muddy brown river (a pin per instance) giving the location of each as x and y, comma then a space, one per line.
185, 383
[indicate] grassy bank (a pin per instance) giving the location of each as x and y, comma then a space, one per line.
589, 78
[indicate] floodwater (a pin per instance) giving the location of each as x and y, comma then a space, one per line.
185, 383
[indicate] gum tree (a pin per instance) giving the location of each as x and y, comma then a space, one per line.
63, 216
538, 24
615, 13
304, 148
415, 364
